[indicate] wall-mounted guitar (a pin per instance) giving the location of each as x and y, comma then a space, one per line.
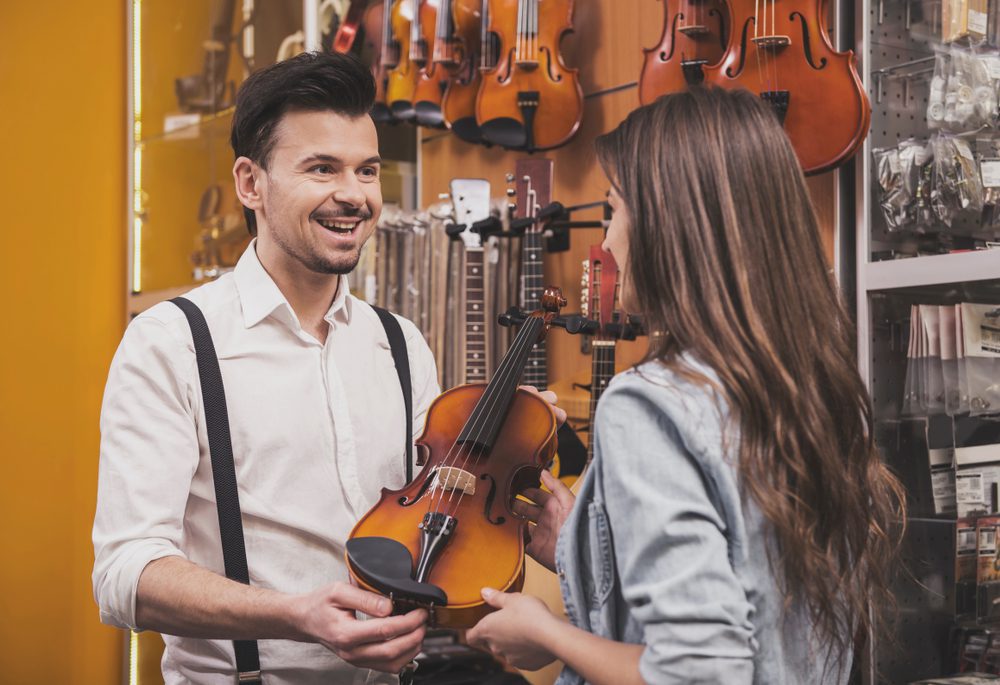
471, 199
533, 189
694, 35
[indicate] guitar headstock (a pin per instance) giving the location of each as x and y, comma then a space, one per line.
601, 287
533, 187
471, 199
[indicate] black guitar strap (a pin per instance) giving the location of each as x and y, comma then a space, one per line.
224, 468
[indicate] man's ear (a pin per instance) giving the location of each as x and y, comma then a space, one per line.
246, 176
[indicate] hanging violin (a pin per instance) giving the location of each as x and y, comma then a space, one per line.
439, 540
434, 28
530, 100
780, 50
694, 35
402, 77
385, 54
470, 53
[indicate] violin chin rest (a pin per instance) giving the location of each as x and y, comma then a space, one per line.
387, 565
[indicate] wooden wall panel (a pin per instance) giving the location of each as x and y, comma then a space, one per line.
607, 48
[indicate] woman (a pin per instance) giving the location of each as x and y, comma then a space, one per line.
735, 524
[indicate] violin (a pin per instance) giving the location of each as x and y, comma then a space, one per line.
469, 53
379, 39
780, 50
439, 540
694, 35
402, 77
530, 100
347, 32
433, 25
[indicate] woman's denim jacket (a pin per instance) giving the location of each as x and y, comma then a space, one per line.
661, 550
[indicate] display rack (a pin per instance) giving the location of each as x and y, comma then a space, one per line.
897, 42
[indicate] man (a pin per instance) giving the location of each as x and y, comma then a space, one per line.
315, 411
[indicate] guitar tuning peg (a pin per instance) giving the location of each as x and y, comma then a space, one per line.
444, 196
511, 192
510, 177
512, 206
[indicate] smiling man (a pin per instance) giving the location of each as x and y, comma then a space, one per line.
313, 407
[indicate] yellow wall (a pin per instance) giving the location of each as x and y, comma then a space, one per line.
62, 275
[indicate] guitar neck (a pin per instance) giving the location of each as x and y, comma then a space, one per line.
475, 318
602, 370
532, 285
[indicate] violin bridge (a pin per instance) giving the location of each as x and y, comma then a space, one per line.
454, 478
527, 64
771, 42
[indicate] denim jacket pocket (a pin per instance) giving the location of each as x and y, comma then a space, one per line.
602, 561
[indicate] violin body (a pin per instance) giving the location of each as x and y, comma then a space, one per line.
694, 35
785, 56
530, 100
432, 78
379, 43
458, 105
402, 78
487, 545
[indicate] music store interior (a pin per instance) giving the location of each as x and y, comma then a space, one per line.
118, 188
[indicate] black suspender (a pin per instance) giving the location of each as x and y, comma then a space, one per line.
397, 344
227, 498
224, 468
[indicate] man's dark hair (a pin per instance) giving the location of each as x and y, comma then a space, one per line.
311, 82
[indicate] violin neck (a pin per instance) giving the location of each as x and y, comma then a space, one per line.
487, 418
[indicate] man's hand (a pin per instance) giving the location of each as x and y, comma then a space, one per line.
383, 642
548, 513
515, 632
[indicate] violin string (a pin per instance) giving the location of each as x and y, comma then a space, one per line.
517, 38
516, 368
491, 406
481, 415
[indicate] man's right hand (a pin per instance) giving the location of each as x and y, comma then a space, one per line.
383, 642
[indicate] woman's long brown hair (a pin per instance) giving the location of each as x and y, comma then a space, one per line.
725, 260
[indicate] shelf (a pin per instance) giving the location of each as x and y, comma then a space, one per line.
960, 267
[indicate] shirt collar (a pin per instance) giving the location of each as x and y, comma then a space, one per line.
260, 296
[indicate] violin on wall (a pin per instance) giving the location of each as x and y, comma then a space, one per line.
433, 28
438, 541
467, 54
402, 77
530, 100
780, 49
694, 35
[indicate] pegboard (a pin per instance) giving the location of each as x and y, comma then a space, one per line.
925, 597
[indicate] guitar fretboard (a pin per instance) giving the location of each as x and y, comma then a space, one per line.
532, 286
602, 369
475, 319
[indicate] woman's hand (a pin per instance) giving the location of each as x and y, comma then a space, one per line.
548, 513
515, 632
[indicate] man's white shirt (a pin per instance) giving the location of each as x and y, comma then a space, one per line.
317, 432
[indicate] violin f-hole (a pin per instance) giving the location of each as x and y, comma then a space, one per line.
743, 49
490, 497
806, 46
673, 38
403, 502
504, 77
